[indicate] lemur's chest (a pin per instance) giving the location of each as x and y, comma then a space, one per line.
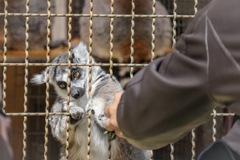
98, 142
82, 102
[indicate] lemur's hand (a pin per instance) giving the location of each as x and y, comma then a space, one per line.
76, 114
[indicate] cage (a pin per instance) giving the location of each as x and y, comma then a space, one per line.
23, 55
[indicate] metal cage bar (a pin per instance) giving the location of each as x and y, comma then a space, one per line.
69, 77
26, 80
26, 64
5, 54
90, 74
111, 60
111, 40
132, 37
214, 125
173, 44
193, 140
47, 80
96, 15
153, 30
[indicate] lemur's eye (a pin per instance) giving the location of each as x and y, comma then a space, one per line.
62, 85
76, 75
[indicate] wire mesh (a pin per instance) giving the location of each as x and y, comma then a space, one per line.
111, 60
34, 108
26, 82
5, 54
47, 80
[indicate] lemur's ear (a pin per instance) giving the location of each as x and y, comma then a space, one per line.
82, 46
81, 53
39, 78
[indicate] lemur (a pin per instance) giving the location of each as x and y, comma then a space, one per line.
103, 88
130, 36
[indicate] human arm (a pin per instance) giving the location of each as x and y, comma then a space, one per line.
177, 93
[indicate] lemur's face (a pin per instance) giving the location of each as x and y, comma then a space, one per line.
58, 74
78, 82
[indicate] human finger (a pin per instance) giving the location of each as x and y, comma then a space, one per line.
107, 111
108, 125
119, 133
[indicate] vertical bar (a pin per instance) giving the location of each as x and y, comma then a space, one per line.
193, 144
132, 38
193, 131
47, 79
26, 80
195, 7
111, 39
90, 75
153, 38
153, 29
5, 55
214, 125
69, 75
173, 44
172, 151
110, 60
132, 51
174, 23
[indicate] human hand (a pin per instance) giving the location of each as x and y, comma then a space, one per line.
111, 114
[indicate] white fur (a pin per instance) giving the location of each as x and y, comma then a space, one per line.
39, 78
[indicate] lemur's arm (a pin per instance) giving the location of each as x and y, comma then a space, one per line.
103, 97
58, 123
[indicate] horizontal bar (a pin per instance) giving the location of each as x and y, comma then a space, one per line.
222, 114
96, 15
35, 114
54, 113
75, 64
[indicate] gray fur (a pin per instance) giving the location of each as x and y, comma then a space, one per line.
122, 30
102, 94
16, 24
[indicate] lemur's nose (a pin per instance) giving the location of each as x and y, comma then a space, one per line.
77, 93
76, 96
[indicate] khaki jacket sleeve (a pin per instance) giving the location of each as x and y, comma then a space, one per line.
177, 93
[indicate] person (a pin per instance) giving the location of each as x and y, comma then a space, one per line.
174, 94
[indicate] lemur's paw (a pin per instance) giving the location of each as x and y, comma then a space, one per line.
101, 120
76, 114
